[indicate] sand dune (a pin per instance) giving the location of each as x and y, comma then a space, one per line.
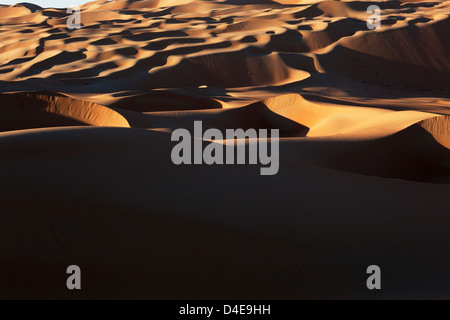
86, 117
28, 108
439, 127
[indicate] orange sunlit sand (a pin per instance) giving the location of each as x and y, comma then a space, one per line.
86, 117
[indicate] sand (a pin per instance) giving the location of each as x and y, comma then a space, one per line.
85, 144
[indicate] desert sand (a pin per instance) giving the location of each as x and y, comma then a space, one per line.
86, 117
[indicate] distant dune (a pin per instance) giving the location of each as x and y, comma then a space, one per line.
86, 117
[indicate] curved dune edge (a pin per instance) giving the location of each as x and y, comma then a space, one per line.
226, 44
364, 157
439, 127
328, 120
411, 154
86, 112
163, 101
419, 61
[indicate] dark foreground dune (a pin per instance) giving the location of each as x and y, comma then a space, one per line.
86, 175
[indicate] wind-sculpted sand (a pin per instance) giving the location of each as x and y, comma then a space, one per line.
86, 117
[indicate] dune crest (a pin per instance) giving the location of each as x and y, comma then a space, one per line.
87, 118
54, 110
439, 127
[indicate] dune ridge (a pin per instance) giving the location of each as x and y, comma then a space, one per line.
86, 117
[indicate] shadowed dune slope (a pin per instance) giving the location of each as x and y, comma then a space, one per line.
117, 225
25, 111
86, 169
